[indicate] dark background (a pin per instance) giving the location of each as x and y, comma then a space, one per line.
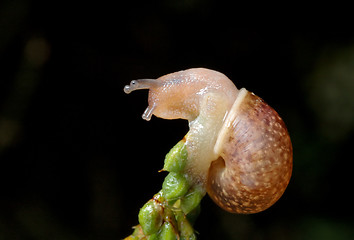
77, 161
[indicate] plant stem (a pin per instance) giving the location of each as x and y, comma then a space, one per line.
170, 214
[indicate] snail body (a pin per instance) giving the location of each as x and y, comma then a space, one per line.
239, 149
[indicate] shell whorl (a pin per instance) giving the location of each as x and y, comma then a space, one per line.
255, 163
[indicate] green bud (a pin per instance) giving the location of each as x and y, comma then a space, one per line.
176, 159
187, 231
167, 232
174, 186
193, 215
151, 217
191, 201
185, 228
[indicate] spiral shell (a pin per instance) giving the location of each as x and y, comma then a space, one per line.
255, 162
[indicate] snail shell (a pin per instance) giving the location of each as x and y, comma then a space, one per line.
238, 147
255, 162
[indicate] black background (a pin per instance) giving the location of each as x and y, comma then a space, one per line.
77, 160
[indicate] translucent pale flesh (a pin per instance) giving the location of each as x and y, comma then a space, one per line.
202, 135
178, 95
201, 96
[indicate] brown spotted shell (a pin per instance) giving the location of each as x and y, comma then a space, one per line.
255, 162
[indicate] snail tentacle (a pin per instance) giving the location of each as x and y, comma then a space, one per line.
140, 84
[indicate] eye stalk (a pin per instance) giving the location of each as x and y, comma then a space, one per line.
140, 84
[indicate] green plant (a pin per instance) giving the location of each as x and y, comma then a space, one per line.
170, 214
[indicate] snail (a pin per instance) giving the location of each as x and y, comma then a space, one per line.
239, 149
